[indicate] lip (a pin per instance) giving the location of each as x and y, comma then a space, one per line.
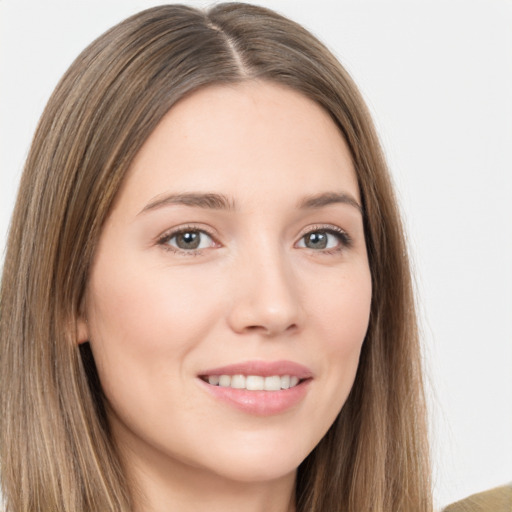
263, 368
260, 403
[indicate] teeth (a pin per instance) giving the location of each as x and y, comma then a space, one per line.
225, 381
254, 382
273, 383
238, 381
213, 380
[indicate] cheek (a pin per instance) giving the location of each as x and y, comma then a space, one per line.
343, 310
146, 309
343, 317
143, 326
144, 331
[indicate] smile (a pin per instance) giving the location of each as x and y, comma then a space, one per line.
253, 382
261, 388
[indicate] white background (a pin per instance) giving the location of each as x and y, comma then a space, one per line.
438, 78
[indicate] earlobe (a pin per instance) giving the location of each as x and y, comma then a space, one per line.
82, 331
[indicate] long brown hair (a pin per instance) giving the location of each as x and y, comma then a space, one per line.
56, 451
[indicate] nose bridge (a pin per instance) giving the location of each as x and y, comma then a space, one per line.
265, 298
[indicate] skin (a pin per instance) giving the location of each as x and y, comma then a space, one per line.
256, 289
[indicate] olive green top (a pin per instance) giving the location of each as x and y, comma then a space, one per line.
495, 500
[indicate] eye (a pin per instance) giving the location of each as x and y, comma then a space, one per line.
188, 240
324, 239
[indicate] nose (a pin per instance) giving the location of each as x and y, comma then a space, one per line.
265, 297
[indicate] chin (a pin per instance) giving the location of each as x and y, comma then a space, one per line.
247, 471
260, 460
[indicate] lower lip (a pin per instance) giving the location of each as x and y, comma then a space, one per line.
260, 403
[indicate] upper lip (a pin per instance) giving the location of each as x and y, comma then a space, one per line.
263, 368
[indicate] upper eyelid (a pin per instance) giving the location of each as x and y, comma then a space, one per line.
323, 227
172, 232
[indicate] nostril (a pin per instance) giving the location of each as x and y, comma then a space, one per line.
271, 330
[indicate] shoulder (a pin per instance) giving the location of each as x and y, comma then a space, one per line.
494, 500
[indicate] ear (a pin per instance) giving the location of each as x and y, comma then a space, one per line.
82, 331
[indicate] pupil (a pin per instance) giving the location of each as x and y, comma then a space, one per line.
189, 240
317, 241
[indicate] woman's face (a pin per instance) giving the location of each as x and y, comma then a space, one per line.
233, 260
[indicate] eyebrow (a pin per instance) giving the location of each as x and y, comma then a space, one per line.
215, 201
198, 200
328, 198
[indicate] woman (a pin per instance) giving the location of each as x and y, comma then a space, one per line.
206, 285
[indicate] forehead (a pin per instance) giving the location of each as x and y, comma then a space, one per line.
242, 138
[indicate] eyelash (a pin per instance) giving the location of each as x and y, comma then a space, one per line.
166, 237
345, 241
